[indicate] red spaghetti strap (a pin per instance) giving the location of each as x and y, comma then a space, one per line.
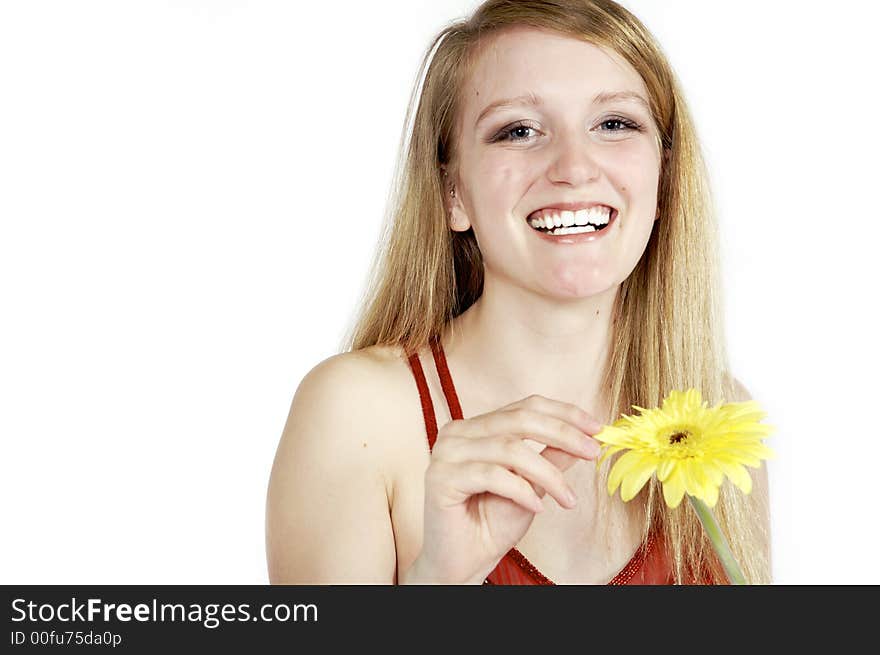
446, 379
425, 398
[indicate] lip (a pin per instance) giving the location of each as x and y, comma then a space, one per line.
577, 238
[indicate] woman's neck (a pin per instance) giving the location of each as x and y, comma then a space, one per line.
512, 343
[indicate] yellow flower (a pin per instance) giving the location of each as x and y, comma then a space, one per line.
691, 447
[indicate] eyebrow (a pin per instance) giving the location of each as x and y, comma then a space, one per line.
530, 99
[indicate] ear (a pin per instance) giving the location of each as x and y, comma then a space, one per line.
457, 217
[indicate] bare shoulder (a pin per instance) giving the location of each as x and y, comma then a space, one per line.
369, 384
351, 399
370, 373
329, 497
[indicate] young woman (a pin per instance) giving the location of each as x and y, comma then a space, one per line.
551, 261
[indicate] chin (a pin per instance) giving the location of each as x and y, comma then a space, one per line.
580, 291
575, 285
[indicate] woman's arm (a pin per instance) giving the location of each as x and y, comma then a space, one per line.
327, 512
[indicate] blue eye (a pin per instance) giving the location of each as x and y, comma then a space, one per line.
629, 125
508, 133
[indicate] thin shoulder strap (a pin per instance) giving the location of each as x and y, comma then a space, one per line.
446, 379
425, 398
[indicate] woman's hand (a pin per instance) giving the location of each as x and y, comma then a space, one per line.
484, 484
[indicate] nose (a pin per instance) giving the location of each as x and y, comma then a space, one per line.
572, 162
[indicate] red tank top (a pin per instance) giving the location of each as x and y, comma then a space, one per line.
648, 566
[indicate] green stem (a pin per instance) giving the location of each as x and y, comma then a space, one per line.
728, 561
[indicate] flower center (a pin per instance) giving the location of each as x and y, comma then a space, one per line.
678, 437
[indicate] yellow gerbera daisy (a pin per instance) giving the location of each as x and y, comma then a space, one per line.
691, 447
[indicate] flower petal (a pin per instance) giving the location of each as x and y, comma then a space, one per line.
673, 488
694, 478
738, 456
613, 434
637, 477
609, 451
739, 476
622, 468
711, 495
664, 468
713, 471
698, 483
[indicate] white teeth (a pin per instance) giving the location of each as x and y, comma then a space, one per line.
598, 215
577, 229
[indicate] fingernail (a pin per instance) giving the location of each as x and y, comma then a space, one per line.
570, 497
593, 426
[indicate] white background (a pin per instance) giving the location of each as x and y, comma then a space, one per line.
190, 196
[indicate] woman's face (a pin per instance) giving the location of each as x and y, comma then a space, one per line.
569, 148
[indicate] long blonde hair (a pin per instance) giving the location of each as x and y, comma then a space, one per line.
667, 320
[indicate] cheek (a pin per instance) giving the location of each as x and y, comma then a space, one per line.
500, 184
497, 175
635, 171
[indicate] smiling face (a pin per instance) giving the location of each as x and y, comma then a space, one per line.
568, 148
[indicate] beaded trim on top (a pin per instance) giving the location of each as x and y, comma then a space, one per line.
621, 578
529, 568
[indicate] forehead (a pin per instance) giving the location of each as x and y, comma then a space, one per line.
550, 64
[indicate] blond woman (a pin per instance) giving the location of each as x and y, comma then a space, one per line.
550, 261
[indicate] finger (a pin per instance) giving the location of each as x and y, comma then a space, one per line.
538, 426
512, 453
559, 458
577, 416
574, 414
469, 478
